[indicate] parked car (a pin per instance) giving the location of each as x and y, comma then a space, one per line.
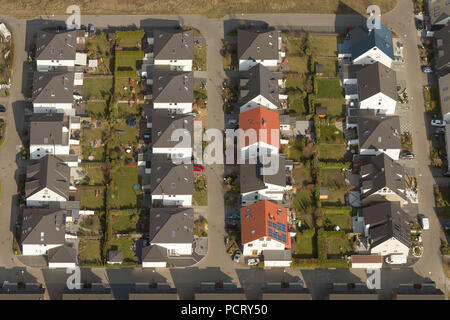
199, 167
406, 155
424, 222
440, 130
438, 123
427, 69
253, 261
234, 216
91, 29
232, 121
237, 256
419, 24
2, 108
446, 174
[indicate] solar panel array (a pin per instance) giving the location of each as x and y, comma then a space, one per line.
278, 236
279, 226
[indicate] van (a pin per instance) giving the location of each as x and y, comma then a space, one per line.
425, 223
396, 259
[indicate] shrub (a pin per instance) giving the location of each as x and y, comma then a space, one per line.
337, 210
321, 245
334, 165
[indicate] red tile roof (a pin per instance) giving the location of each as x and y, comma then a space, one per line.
257, 218
260, 119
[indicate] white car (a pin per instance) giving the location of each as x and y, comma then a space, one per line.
438, 123
253, 261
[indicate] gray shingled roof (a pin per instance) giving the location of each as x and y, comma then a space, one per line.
50, 222
442, 47
258, 81
379, 132
376, 78
254, 44
171, 225
56, 45
439, 10
382, 172
164, 124
387, 220
50, 173
62, 254
444, 93
252, 180
168, 178
171, 44
173, 86
53, 87
218, 291
46, 129
342, 291
294, 291
154, 253
115, 256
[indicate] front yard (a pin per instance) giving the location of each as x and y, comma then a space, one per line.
199, 63
89, 252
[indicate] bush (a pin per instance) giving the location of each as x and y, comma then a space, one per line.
337, 210
334, 165
321, 245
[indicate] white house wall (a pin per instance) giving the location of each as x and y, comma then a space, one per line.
393, 153
184, 249
183, 65
154, 264
258, 101
277, 263
177, 152
37, 249
56, 265
43, 65
389, 247
40, 151
179, 108
260, 245
41, 197
371, 56
379, 102
174, 200
248, 64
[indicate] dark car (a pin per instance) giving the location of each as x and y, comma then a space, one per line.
91, 29
419, 24
2, 108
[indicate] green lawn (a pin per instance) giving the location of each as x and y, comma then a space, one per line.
295, 46
94, 176
124, 245
125, 134
335, 180
98, 47
344, 221
328, 151
330, 88
126, 110
295, 83
97, 108
305, 244
199, 57
89, 200
338, 246
443, 202
124, 221
323, 45
329, 133
335, 107
90, 135
128, 43
89, 251
92, 223
298, 64
129, 63
201, 197
97, 88
122, 192
330, 66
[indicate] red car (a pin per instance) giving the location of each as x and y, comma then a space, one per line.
199, 167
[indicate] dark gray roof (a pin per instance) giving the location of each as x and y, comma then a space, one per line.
379, 132
164, 124
349, 70
171, 225
439, 10
424, 291
380, 172
154, 253
171, 44
375, 78
321, 110
12, 291
359, 291
56, 45
62, 254
286, 119
444, 93
53, 87
97, 291
168, 178
218, 291
252, 180
50, 173
387, 220
285, 291
46, 129
156, 291
362, 41
442, 47
49, 222
258, 81
254, 44
115, 256
173, 86
277, 255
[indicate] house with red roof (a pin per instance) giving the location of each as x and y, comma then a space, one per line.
260, 132
264, 228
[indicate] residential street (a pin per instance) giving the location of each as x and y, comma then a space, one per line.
217, 265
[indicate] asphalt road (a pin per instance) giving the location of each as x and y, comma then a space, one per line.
217, 265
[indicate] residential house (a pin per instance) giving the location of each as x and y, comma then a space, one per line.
379, 134
170, 183
174, 47
218, 291
444, 94
264, 228
173, 90
42, 230
442, 50
285, 291
370, 46
387, 227
367, 261
153, 291
19, 291
420, 291
257, 46
53, 92
62, 257
47, 181
172, 134
55, 49
170, 235
49, 135
377, 88
89, 291
439, 11
256, 186
351, 291
277, 258
258, 87
260, 132
382, 179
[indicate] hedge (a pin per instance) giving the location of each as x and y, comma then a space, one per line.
337, 210
314, 263
334, 165
135, 34
137, 54
126, 73
322, 244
